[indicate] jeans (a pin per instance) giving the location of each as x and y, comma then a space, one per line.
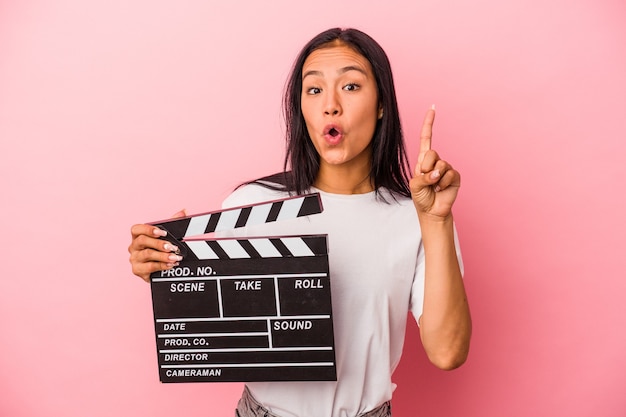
249, 407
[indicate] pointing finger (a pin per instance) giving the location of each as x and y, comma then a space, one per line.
427, 133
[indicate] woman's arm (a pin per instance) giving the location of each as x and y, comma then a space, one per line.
445, 323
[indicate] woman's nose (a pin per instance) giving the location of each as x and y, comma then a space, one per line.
332, 107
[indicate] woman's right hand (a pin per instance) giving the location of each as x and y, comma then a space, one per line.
148, 253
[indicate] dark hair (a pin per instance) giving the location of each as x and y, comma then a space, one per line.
389, 165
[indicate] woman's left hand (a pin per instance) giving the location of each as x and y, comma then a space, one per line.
435, 183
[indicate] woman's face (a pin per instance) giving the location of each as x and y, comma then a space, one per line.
340, 106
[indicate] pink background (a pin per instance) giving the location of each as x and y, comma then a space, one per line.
119, 112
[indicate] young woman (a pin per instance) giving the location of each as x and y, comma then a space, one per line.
392, 245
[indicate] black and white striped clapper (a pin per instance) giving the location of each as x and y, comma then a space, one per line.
245, 309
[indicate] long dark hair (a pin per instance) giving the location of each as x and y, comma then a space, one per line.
389, 165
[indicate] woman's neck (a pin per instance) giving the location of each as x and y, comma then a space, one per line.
343, 180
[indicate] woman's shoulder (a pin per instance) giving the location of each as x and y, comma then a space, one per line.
252, 193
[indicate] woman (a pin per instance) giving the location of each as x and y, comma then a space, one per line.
392, 245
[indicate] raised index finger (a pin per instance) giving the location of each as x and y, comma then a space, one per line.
427, 133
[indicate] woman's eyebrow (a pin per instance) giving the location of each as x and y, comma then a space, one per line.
351, 68
342, 70
313, 72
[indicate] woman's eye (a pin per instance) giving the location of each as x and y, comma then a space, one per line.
351, 87
313, 90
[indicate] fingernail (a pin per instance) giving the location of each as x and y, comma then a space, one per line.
170, 248
159, 232
432, 107
170, 265
437, 189
175, 258
435, 174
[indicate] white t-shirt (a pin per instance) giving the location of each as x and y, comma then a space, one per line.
376, 263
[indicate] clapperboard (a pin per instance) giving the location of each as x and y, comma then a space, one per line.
245, 309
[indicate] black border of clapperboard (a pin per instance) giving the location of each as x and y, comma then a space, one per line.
261, 368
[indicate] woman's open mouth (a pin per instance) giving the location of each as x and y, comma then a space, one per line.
333, 134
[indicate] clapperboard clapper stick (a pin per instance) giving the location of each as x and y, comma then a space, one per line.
245, 309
